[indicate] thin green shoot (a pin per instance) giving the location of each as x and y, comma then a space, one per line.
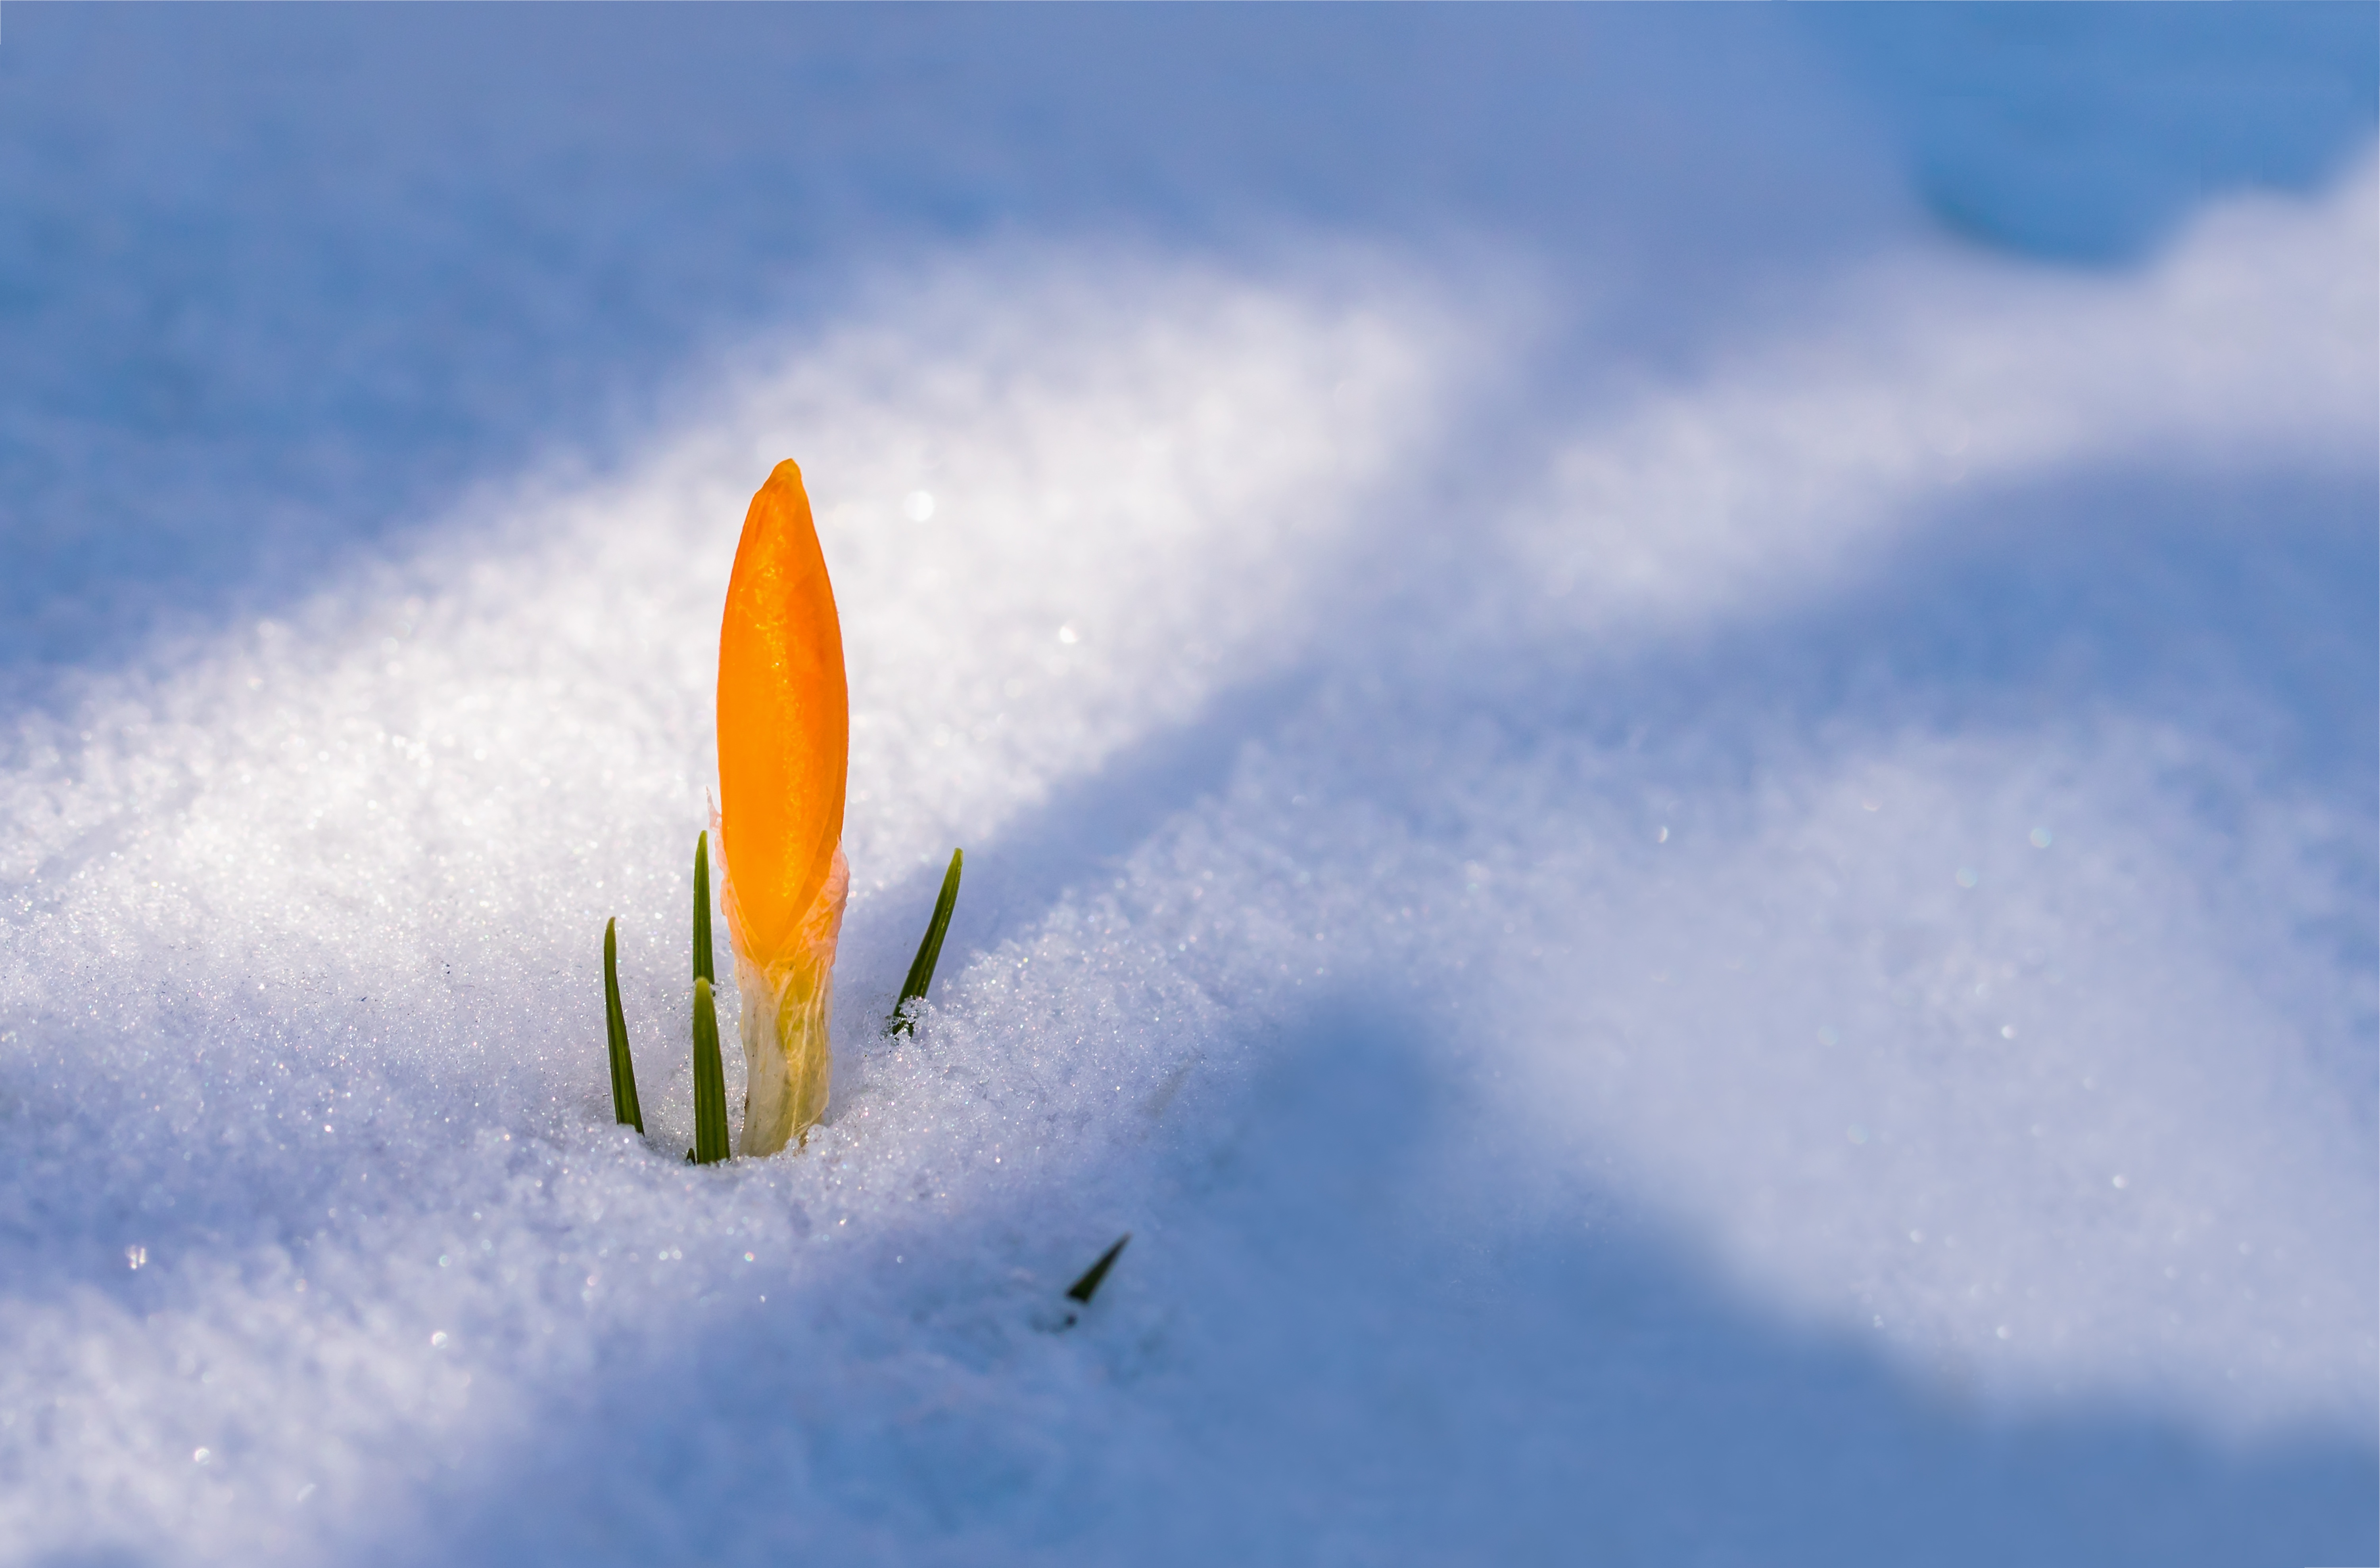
709, 1083
625, 1108
930, 952
702, 970
1083, 1289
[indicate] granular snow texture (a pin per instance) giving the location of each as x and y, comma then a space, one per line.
1763, 953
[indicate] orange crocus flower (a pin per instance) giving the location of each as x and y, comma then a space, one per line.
784, 747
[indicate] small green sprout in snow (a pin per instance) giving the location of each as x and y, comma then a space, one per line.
930, 952
625, 1108
709, 1083
1083, 1289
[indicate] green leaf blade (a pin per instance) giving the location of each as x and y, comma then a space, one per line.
930, 951
709, 1082
1083, 1289
702, 965
625, 1106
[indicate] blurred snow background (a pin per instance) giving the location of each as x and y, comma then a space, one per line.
1665, 722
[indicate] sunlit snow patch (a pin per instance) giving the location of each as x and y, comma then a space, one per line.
1495, 931
302, 991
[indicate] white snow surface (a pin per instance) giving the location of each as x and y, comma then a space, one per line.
1774, 961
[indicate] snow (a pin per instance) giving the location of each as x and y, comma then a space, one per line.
1695, 858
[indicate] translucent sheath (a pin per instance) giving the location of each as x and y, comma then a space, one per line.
786, 1009
784, 745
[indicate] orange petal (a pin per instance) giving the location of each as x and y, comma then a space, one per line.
784, 722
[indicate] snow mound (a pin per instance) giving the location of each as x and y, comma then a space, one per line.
1703, 987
